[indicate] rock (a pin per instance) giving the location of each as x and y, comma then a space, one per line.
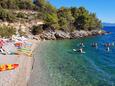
62, 35
94, 32
74, 34
48, 35
58, 34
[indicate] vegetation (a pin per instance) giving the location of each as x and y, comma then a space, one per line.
8, 6
7, 31
6, 15
66, 19
45, 6
17, 4
21, 32
37, 29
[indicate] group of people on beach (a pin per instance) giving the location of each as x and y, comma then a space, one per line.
95, 45
12, 46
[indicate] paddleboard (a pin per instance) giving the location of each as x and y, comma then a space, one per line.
82, 52
74, 50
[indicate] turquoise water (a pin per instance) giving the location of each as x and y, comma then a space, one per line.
67, 68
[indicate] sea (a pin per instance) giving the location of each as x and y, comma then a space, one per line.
64, 67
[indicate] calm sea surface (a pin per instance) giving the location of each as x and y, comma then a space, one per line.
65, 67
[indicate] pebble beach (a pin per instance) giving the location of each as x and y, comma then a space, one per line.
20, 75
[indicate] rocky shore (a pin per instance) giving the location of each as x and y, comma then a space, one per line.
58, 34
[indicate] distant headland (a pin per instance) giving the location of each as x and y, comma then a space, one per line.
108, 24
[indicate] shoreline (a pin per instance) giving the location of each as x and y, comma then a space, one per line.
58, 34
33, 48
21, 76
36, 45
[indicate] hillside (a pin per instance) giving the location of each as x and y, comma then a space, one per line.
40, 16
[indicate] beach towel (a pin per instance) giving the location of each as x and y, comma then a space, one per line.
10, 48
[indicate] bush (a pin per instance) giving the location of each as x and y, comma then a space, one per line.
37, 29
21, 32
7, 31
17, 4
7, 15
26, 5
21, 15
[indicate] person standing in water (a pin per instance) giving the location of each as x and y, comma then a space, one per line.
112, 43
81, 50
107, 45
82, 44
108, 49
95, 45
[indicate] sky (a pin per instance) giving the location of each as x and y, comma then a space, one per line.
104, 9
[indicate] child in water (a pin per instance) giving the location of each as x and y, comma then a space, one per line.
81, 50
82, 45
113, 44
108, 49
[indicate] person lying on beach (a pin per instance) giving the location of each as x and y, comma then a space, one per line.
2, 51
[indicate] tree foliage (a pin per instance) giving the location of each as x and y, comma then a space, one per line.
68, 19
84, 20
17, 4
51, 20
37, 29
6, 15
65, 18
44, 6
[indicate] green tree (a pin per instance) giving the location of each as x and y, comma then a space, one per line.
37, 29
40, 3
51, 20
45, 6
85, 20
17, 4
65, 19
7, 15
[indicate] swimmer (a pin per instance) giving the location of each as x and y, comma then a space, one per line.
112, 43
107, 44
95, 45
82, 45
81, 50
108, 49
